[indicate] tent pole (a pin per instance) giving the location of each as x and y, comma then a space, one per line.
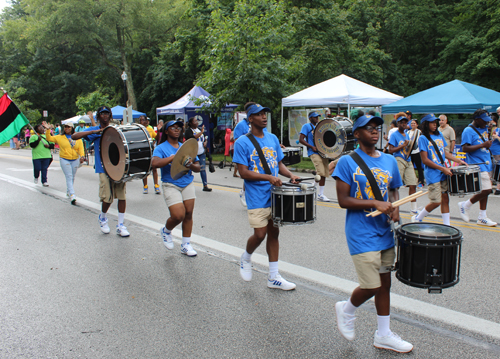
281, 140
349, 111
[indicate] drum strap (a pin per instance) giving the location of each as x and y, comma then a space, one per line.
263, 161
480, 135
436, 149
369, 175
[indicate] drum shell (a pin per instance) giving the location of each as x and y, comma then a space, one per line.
496, 172
292, 155
126, 152
421, 256
464, 180
293, 206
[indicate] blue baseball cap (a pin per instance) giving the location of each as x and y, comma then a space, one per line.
252, 110
430, 117
363, 121
402, 118
174, 122
484, 116
314, 114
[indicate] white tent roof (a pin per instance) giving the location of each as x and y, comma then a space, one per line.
341, 90
76, 118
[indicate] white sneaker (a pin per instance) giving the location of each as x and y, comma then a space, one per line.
45, 184
345, 322
72, 199
103, 222
242, 198
35, 180
486, 222
167, 238
122, 231
414, 219
245, 269
464, 213
392, 342
280, 282
188, 250
323, 198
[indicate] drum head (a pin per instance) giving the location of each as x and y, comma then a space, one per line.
113, 154
330, 137
429, 232
466, 169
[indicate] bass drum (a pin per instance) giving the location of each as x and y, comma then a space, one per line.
126, 152
334, 137
428, 255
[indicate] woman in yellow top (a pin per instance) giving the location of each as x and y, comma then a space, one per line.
71, 155
145, 122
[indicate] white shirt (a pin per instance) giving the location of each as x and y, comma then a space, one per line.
201, 140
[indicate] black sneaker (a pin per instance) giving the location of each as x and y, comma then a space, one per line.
497, 192
206, 189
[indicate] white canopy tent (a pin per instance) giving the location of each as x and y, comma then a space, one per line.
338, 91
76, 119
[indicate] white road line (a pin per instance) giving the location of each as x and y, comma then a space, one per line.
427, 310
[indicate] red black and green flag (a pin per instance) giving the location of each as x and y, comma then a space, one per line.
11, 119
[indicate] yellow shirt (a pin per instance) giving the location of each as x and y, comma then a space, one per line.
66, 151
151, 131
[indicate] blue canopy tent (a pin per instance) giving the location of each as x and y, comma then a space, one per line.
452, 97
117, 112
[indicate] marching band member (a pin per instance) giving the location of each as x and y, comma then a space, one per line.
370, 241
435, 170
398, 147
476, 144
258, 192
179, 194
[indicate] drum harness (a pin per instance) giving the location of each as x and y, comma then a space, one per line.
481, 136
436, 148
376, 192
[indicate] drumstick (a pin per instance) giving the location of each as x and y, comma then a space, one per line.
399, 202
316, 178
479, 163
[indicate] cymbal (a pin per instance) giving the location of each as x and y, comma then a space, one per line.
186, 152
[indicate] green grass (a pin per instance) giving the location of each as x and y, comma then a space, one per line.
305, 164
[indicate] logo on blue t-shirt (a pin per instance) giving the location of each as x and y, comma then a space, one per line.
363, 186
270, 156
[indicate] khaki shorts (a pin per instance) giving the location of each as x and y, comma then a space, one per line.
435, 191
109, 190
173, 194
320, 164
259, 217
485, 181
407, 172
370, 265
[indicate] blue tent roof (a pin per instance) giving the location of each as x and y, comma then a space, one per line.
452, 97
118, 113
186, 103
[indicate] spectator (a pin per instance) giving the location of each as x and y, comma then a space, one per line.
145, 122
448, 133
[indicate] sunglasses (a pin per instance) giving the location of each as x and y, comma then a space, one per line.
371, 128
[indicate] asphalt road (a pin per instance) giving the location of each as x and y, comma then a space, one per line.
69, 291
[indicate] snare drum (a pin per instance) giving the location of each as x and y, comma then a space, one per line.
334, 137
293, 155
464, 180
428, 255
126, 152
292, 205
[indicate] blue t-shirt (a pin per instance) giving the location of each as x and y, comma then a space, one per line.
469, 136
397, 139
433, 175
367, 234
495, 146
308, 131
242, 128
97, 148
258, 193
166, 150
